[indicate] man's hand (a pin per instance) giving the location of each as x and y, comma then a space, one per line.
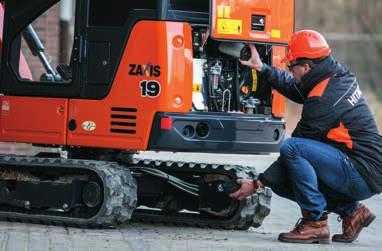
254, 62
248, 187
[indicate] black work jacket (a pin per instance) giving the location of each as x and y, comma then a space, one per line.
334, 112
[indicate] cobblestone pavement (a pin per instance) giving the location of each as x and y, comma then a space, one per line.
284, 214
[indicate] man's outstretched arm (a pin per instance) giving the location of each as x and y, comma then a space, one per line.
280, 80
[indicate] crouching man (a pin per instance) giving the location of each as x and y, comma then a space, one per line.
334, 158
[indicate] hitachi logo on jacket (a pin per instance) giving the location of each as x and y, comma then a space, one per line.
355, 97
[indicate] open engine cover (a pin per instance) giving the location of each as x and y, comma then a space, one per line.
256, 20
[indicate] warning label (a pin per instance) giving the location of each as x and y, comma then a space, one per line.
224, 11
254, 80
276, 34
230, 26
197, 88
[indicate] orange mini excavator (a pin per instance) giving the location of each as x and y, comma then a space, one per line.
158, 75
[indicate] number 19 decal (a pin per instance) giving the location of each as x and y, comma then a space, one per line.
150, 88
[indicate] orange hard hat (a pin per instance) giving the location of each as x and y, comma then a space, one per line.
307, 44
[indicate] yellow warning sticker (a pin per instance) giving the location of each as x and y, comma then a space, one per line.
276, 33
227, 11
230, 26
220, 11
197, 87
254, 80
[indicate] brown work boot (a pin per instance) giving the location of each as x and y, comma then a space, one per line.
353, 224
308, 231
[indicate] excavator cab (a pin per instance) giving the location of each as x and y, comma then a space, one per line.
160, 75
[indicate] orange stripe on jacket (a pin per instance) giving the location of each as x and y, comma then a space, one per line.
319, 89
341, 134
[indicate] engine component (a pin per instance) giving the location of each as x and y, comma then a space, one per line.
229, 187
250, 105
221, 83
215, 71
236, 50
227, 95
198, 99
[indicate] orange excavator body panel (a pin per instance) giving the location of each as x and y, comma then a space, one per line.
157, 51
33, 120
122, 119
278, 101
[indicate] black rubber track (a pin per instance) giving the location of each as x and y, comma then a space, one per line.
120, 195
251, 212
120, 192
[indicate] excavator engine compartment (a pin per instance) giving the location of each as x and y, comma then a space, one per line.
221, 83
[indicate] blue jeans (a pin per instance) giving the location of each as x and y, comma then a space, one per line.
318, 177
